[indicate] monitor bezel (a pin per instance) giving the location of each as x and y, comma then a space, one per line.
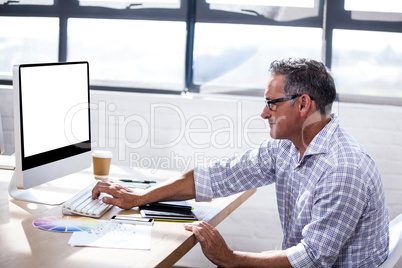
59, 153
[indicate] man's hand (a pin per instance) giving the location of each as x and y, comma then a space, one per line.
216, 250
121, 196
212, 243
176, 189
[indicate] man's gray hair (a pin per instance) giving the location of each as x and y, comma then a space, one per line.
307, 76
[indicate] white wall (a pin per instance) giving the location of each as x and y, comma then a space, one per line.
164, 131
7, 118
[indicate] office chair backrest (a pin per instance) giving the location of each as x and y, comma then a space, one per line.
395, 243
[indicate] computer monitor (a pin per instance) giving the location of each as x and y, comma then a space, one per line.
51, 126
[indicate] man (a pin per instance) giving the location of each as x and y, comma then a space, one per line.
329, 192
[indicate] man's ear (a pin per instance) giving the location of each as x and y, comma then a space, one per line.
305, 105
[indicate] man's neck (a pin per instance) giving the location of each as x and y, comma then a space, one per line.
311, 127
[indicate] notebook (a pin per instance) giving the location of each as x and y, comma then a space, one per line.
168, 211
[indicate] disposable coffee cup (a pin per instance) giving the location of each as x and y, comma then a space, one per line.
101, 163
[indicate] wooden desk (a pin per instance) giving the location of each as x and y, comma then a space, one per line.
23, 245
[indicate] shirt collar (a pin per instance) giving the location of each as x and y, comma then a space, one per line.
320, 143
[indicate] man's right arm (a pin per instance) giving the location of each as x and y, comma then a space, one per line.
180, 188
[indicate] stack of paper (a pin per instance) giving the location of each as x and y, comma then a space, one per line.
114, 235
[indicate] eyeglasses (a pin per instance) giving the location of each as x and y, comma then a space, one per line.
273, 107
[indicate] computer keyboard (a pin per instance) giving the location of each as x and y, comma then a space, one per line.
82, 204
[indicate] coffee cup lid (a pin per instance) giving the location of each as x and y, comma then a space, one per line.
102, 154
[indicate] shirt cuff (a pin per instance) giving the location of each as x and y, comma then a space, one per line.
202, 180
298, 257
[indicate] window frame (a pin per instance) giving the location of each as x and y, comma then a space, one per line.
65, 10
206, 15
339, 18
331, 15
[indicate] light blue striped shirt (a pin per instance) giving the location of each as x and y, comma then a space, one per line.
331, 203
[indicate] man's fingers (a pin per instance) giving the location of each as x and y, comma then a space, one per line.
117, 195
188, 227
106, 187
198, 234
111, 201
212, 243
202, 231
109, 188
96, 191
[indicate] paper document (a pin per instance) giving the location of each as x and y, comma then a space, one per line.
114, 235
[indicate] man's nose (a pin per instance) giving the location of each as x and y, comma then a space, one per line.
266, 113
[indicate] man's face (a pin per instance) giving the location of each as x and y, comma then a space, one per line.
283, 117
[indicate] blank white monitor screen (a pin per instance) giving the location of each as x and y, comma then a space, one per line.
50, 97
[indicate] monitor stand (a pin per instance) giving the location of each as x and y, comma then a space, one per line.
43, 194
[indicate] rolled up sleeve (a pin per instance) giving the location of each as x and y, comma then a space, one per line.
298, 257
202, 181
239, 173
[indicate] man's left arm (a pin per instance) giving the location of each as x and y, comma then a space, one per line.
217, 251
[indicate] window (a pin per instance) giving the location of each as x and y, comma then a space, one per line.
367, 62
235, 57
373, 10
290, 3
27, 40
130, 53
389, 6
131, 4
130, 45
236, 40
363, 49
27, 2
